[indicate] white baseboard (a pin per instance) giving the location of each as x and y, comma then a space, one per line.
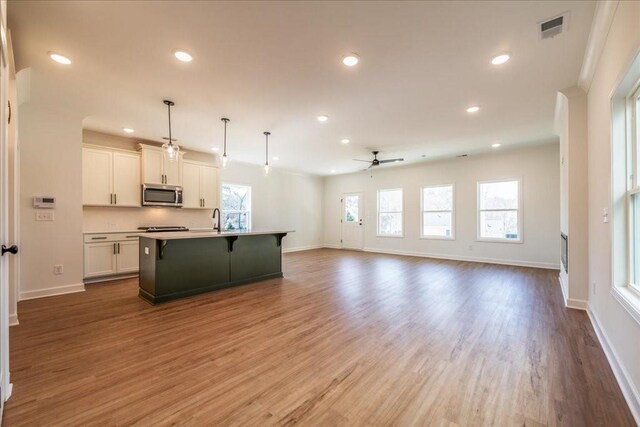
48, 292
328, 246
13, 319
629, 391
302, 248
577, 304
546, 265
109, 278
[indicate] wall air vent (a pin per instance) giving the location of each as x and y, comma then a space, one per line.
554, 26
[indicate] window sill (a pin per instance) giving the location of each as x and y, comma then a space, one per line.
397, 236
437, 238
629, 299
481, 239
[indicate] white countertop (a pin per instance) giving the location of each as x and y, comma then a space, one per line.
176, 235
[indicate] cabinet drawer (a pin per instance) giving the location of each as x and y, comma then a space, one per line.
110, 237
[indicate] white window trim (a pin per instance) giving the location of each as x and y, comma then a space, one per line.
633, 180
520, 238
249, 212
453, 213
622, 156
397, 236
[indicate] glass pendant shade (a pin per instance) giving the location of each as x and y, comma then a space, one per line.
266, 154
225, 158
172, 150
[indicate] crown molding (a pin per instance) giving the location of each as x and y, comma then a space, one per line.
602, 19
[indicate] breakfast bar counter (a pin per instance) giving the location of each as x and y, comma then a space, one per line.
181, 264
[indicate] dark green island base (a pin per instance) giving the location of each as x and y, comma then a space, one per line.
178, 265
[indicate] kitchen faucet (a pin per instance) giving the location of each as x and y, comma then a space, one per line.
216, 227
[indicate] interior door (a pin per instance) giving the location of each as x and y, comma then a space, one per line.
5, 387
126, 179
352, 221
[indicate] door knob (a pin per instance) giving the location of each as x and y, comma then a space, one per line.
12, 249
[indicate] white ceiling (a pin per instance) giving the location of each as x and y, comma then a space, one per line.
277, 65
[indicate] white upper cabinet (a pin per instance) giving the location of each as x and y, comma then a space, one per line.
200, 185
110, 178
158, 169
97, 177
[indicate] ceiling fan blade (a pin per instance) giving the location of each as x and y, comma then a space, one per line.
391, 160
358, 160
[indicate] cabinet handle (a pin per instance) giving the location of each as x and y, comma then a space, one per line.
114, 248
98, 238
204, 202
115, 199
130, 237
118, 247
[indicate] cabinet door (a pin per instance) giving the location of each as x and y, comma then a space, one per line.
209, 186
126, 179
152, 166
191, 185
172, 170
96, 177
128, 257
99, 259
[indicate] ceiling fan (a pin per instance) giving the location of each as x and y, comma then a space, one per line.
376, 162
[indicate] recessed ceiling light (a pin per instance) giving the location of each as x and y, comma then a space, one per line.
473, 109
216, 149
60, 59
276, 158
500, 59
183, 56
128, 130
345, 140
323, 118
333, 171
496, 145
351, 60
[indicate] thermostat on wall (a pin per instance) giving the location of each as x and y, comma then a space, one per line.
41, 202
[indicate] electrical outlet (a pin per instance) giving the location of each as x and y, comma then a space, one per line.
44, 216
58, 269
470, 247
111, 226
146, 250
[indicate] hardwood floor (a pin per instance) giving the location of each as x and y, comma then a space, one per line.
346, 338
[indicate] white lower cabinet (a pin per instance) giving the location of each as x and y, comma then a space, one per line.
110, 254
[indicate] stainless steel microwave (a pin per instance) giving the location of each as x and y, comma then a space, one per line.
161, 195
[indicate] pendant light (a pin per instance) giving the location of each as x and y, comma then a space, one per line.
172, 149
225, 159
266, 158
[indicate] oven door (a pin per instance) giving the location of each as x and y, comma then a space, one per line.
161, 195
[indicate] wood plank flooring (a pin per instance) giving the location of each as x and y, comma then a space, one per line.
346, 338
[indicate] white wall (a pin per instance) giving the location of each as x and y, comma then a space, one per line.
571, 126
282, 200
538, 167
621, 330
50, 165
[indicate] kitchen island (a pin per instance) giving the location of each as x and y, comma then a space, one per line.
181, 264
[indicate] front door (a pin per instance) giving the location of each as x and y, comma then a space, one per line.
352, 224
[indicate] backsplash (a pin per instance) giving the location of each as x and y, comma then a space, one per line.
114, 219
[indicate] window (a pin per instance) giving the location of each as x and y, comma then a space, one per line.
499, 216
390, 213
236, 207
633, 190
351, 208
437, 212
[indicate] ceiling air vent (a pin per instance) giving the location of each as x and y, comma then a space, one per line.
553, 27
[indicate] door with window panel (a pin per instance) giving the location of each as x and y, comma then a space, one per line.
352, 221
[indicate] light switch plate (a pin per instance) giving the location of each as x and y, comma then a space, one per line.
44, 216
146, 250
